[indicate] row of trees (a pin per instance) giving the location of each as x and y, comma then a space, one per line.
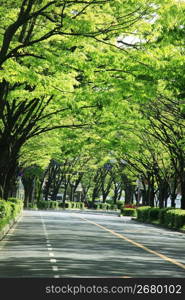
86, 82
47, 67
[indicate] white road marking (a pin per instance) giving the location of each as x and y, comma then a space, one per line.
48, 244
44, 227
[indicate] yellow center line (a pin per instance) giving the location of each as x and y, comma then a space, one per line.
121, 236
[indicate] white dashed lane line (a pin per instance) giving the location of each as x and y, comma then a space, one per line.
49, 248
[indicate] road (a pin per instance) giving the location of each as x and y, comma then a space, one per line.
50, 244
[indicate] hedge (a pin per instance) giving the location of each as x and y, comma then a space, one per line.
72, 205
105, 206
174, 218
162, 214
153, 213
47, 204
119, 204
179, 218
142, 213
56, 204
16, 206
5, 209
9, 210
128, 211
32, 206
169, 217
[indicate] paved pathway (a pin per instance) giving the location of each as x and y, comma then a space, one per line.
82, 244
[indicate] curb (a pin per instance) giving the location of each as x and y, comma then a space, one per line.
7, 227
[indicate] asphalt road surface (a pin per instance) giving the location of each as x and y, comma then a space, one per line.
60, 244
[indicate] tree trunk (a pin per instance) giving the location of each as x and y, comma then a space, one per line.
8, 168
151, 194
104, 197
129, 190
65, 192
182, 185
28, 183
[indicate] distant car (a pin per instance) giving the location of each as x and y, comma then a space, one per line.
59, 197
97, 201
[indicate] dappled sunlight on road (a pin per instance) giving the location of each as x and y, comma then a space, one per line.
72, 247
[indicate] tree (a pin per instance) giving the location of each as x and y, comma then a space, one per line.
45, 57
31, 179
28, 66
54, 76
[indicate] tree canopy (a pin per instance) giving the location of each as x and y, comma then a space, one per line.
94, 81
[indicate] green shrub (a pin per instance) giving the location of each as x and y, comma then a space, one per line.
97, 205
48, 204
128, 212
120, 204
153, 213
32, 205
67, 204
104, 206
61, 204
76, 205
5, 209
53, 204
174, 218
142, 213
81, 205
110, 201
114, 207
108, 206
179, 218
16, 205
9, 210
169, 218
73, 205
15, 200
15, 209
162, 213
43, 204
